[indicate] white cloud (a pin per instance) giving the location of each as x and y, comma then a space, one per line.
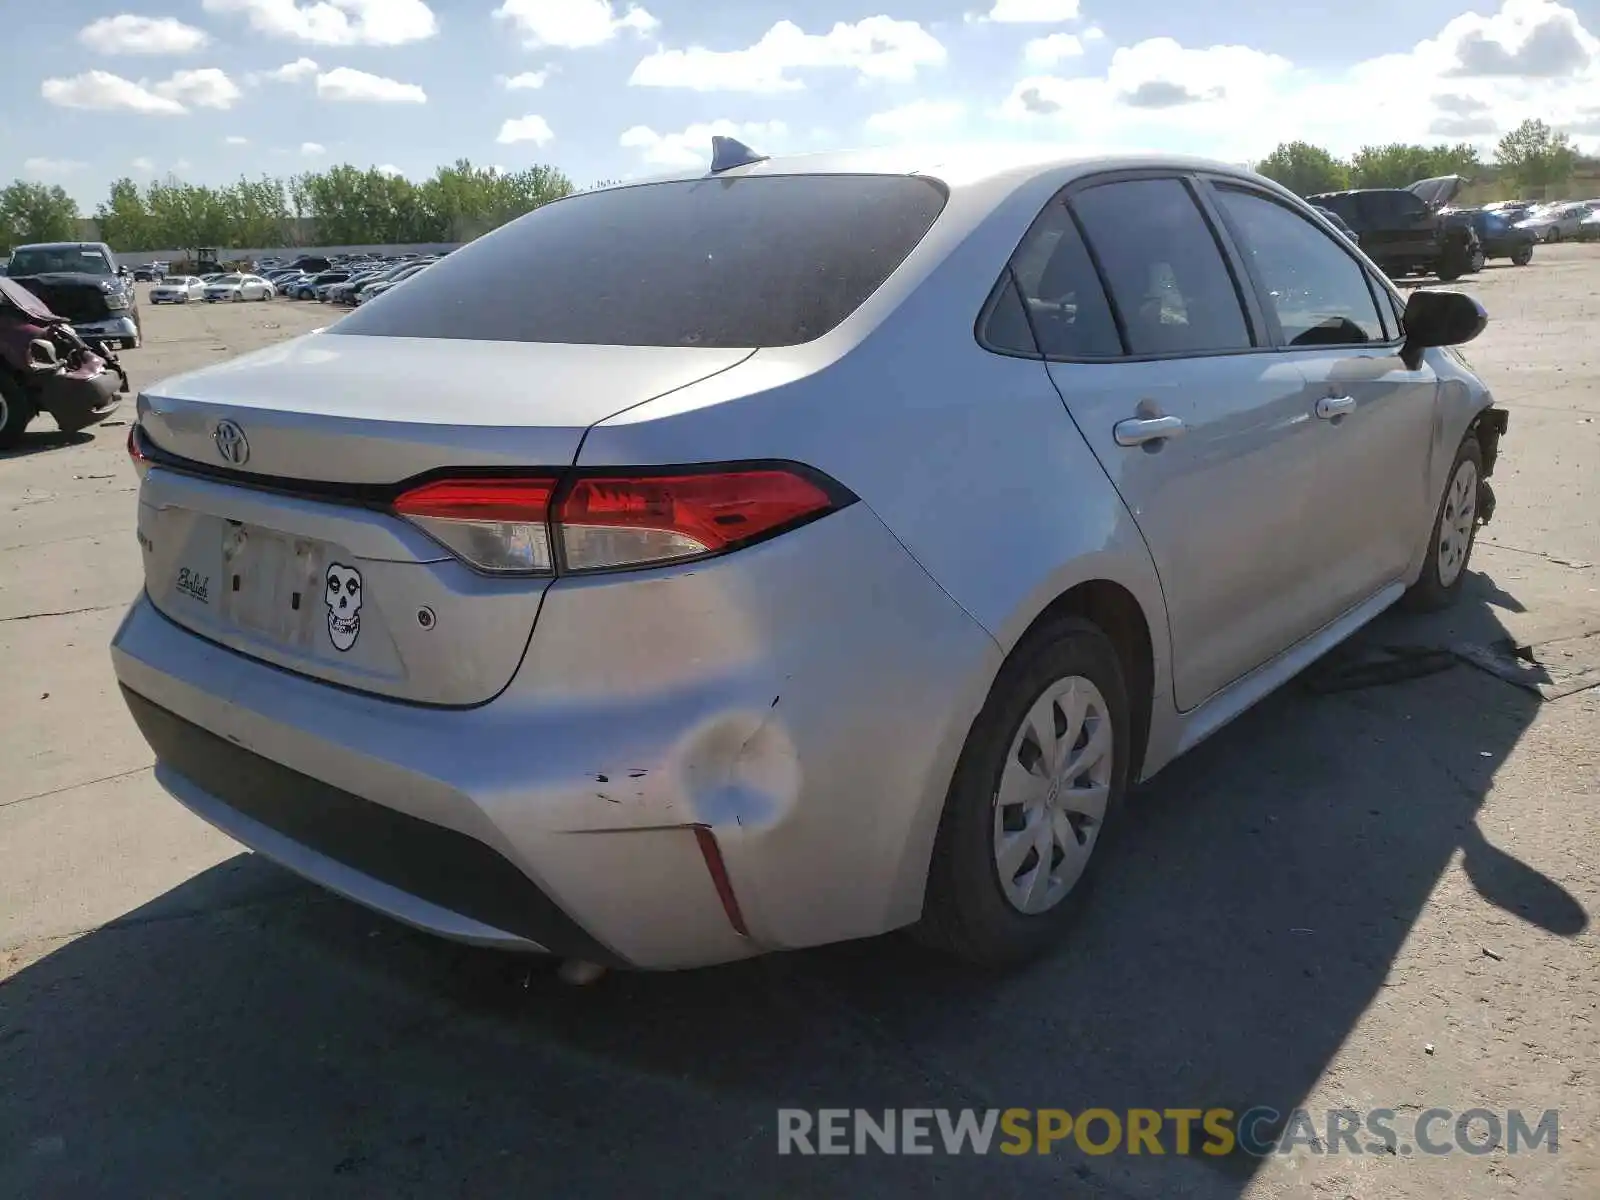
876, 47
1047, 52
1531, 58
336, 22
692, 146
300, 68
527, 80
312, 149
206, 88
572, 24
129, 34
235, 140
388, 169
51, 168
531, 128
917, 119
103, 91
183, 164
1030, 12
147, 165
344, 83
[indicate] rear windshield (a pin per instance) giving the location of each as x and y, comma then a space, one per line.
757, 261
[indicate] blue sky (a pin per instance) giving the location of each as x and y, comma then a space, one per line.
210, 89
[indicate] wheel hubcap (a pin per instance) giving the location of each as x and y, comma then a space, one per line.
1456, 522
1051, 800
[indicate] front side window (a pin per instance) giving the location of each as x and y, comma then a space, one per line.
762, 260
1317, 291
1164, 269
1061, 301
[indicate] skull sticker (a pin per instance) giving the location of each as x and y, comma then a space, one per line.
342, 595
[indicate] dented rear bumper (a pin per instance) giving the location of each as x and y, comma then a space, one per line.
692, 764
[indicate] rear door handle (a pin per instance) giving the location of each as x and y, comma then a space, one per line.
1136, 431
1330, 407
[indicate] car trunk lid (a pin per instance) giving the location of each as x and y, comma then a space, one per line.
264, 517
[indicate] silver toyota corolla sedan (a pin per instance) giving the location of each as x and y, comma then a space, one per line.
790, 552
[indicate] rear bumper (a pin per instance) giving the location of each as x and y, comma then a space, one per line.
77, 402
802, 701
111, 329
440, 878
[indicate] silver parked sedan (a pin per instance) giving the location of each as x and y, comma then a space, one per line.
804, 550
178, 289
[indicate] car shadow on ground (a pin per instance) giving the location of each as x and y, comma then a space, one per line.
245, 1033
41, 441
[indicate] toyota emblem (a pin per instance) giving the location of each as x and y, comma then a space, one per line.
231, 443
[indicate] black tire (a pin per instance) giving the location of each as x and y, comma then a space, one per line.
1431, 592
965, 912
16, 410
1479, 260
1522, 255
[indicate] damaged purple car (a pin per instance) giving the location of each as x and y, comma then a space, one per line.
45, 367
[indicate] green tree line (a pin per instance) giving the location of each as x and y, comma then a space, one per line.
1530, 158
346, 206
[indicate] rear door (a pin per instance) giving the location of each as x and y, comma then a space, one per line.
1153, 348
1373, 416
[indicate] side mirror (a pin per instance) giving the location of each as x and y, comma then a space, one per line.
1436, 318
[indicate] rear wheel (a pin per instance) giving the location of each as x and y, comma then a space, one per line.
1522, 255
16, 410
1037, 787
1455, 531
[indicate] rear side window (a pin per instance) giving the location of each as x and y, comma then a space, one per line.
1164, 269
771, 260
1317, 290
1061, 297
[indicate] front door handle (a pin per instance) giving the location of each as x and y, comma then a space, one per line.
1330, 407
1136, 431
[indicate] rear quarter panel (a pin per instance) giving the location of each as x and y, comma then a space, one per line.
969, 457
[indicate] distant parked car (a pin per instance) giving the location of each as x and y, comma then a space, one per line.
306, 287
395, 280
180, 289
1403, 231
1589, 227
82, 282
239, 287
1500, 237
149, 273
1555, 221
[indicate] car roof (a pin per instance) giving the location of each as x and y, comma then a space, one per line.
959, 166
60, 246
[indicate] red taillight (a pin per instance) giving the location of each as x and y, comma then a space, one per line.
136, 453
605, 522
617, 521
499, 525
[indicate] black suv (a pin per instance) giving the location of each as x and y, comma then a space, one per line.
1403, 231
